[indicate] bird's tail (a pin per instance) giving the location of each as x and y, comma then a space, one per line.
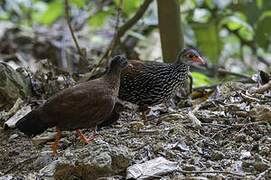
31, 125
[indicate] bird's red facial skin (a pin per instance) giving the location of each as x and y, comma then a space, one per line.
195, 58
190, 56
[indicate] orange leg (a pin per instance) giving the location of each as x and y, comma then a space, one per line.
144, 117
85, 140
54, 145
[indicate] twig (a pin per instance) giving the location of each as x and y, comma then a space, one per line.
135, 18
263, 88
219, 125
212, 86
50, 136
219, 132
262, 174
248, 98
216, 172
250, 43
70, 27
223, 71
195, 121
114, 41
149, 131
19, 164
127, 26
248, 124
8, 57
140, 147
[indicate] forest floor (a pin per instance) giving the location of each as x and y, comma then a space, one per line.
233, 141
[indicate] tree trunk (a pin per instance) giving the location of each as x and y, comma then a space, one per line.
171, 33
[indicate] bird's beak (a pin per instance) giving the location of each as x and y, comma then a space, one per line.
130, 65
198, 59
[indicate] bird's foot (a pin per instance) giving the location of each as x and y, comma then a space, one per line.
144, 118
53, 146
86, 140
93, 137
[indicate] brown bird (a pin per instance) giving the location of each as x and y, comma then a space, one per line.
149, 83
85, 105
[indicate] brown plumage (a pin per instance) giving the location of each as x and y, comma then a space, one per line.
85, 105
150, 83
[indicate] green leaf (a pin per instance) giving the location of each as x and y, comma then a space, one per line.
78, 3
129, 6
246, 34
97, 20
263, 32
253, 11
265, 15
235, 22
200, 79
201, 15
53, 11
259, 4
208, 40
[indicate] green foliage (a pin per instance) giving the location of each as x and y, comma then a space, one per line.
200, 79
263, 32
129, 6
211, 25
98, 19
238, 22
78, 3
208, 39
227, 26
53, 11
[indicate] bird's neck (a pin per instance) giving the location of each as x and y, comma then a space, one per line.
180, 67
112, 78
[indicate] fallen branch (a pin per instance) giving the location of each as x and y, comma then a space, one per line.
261, 175
216, 172
248, 124
50, 136
195, 121
213, 86
263, 88
218, 125
223, 71
141, 147
19, 164
248, 98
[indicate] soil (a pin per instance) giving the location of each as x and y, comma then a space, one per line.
228, 145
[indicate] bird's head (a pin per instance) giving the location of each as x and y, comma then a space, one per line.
118, 63
190, 56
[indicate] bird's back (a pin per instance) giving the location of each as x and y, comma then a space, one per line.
150, 83
82, 106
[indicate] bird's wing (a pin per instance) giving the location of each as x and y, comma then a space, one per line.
91, 99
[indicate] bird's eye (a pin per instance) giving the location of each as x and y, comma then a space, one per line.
190, 56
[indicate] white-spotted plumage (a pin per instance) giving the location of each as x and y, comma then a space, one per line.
151, 83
